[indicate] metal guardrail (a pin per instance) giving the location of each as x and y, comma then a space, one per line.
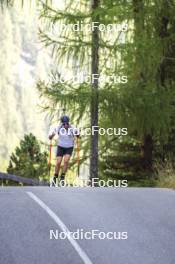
28, 181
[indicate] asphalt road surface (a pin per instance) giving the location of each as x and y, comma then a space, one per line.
32, 219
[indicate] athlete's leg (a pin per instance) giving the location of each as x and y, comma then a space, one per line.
65, 167
59, 157
66, 162
58, 165
57, 169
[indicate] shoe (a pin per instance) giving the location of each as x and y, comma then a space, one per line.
62, 182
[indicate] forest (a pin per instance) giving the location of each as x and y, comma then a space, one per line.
140, 55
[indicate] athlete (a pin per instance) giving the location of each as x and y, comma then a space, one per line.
66, 135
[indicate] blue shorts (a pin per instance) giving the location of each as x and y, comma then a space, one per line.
64, 151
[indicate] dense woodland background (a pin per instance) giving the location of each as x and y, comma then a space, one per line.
144, 105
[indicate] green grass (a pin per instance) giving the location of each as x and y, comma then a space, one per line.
166, 176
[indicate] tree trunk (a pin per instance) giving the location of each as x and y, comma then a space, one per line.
147, 152
94, 97
138, 9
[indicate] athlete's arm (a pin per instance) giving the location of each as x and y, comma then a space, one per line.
76, 132
52, 133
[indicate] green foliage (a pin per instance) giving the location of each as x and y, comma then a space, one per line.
28, 160
146, 54
165, 174
145, 105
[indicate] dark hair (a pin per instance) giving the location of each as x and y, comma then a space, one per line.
65, 119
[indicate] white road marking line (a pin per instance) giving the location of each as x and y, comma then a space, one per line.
63, 227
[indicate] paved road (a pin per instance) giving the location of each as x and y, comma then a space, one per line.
28, 214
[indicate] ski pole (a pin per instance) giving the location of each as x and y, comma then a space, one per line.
50, 156
78, 155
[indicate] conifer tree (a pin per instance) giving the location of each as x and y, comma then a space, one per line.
28, 160
87, 53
